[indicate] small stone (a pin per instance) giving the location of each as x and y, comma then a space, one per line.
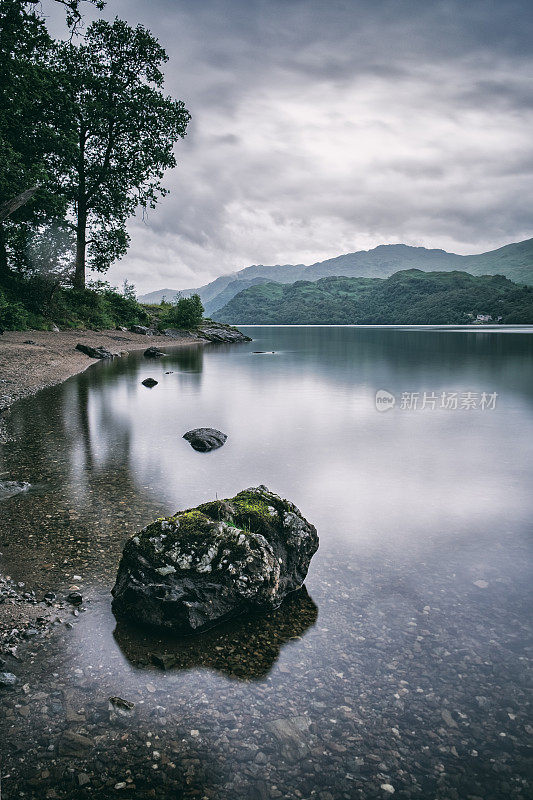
122, 707
388, 787
10, 488
7, 680
83, 779
448, 719
74, 744
75, 598
163, 660
153, 352
149, 382
120, 785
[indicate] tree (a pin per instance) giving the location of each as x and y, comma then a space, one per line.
186, 313
122, 131
128, 290
30, 136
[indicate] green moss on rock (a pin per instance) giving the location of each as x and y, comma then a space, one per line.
202, 563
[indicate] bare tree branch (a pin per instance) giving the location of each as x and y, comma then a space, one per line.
10, 206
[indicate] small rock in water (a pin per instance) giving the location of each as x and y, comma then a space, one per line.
292, 735
11, 488
7, 680
198, 567
121, 707
481, 584
153, 352
75, 598
74, 744
150, 382
205, 439
448, 719
163, 660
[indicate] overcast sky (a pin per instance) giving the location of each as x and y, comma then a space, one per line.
320, 127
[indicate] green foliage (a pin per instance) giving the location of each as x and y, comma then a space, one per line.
121, 130
186, 313
407, 297
38, 302
13, 315
89, 126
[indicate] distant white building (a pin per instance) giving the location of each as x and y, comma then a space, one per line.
484, 318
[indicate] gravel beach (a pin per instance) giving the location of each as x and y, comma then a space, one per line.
32, 360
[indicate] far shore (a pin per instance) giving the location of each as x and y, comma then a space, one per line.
52, 358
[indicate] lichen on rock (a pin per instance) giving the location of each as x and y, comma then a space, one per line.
189, 571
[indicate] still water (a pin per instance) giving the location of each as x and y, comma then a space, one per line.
402, 668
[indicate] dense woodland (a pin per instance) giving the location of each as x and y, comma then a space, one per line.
86, 134
407, 297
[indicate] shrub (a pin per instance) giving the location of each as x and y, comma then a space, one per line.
13, 315
186, 313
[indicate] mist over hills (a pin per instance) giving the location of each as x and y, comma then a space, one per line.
515, 261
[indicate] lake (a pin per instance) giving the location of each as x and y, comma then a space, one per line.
402, 668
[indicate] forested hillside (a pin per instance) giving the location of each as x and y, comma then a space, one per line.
407, 297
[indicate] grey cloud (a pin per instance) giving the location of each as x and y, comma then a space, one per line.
322, 127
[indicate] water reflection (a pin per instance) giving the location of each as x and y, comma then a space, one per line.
415, 675
245, 648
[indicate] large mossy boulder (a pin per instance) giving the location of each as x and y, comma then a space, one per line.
190, 571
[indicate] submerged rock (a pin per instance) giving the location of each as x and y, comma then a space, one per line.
190, 571
94, 352
205, 439
153, 352
7, 680
11, 488
150, 382
245, 648
121, 707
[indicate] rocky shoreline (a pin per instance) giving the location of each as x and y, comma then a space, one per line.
34, 360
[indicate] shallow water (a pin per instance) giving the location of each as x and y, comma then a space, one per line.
405, 662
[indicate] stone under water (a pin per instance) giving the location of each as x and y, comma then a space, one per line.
11, 488
190, 571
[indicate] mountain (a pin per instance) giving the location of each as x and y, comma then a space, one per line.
154, 298
407, 297
227, 294
515, 261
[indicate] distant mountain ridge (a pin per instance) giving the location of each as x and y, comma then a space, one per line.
407, 297
515, 261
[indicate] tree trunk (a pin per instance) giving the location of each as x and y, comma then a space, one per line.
81, 226
4, 268
10, 206
79, 274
